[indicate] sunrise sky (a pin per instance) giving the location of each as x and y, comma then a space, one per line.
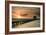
21, 12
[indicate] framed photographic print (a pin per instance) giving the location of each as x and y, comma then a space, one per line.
24, 17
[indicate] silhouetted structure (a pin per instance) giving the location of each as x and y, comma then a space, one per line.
34, 17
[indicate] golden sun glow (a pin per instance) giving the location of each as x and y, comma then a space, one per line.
19, 16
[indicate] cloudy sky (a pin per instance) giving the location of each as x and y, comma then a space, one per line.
25, 12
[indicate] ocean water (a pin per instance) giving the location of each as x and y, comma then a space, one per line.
25, 22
